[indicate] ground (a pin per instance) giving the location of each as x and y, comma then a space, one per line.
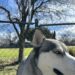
8, 55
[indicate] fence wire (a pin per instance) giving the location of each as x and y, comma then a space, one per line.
9, 49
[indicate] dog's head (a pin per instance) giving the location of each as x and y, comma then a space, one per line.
53, 58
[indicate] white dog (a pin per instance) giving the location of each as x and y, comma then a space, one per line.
49, 57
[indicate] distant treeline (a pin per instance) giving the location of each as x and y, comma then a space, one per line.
16, 45
8, 43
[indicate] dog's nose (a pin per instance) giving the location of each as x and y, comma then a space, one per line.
57, 71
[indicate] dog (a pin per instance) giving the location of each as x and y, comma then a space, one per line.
49, 57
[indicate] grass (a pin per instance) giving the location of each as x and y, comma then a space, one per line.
8, 55
12, 53
72, 50
9, 71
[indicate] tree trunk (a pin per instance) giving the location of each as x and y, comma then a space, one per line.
21, 47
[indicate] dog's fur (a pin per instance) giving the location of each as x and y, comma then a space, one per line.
49, 57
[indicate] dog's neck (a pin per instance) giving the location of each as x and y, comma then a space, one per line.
33, 62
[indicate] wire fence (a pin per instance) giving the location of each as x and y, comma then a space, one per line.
9, 50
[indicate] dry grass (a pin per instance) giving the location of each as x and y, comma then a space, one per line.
6, 54
72, 50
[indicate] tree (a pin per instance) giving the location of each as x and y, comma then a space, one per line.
26, 10
66, 37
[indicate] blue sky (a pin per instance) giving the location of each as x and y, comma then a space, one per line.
66, 10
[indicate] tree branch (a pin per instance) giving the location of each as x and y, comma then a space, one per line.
40, 4
9, 17
18, 21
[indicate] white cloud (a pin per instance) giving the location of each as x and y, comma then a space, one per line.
69, 29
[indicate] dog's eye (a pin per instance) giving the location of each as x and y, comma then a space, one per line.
57, 52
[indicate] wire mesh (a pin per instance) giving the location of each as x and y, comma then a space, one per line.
8, 44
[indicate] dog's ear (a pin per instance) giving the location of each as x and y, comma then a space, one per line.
37, 38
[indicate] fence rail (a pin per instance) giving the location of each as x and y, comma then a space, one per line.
1, 21
16, 52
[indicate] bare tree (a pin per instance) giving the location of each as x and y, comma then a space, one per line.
66, 37
26, 10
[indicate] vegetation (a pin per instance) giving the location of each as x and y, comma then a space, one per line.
26, 11
9, 55
12, 53
8, 71
72, 50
